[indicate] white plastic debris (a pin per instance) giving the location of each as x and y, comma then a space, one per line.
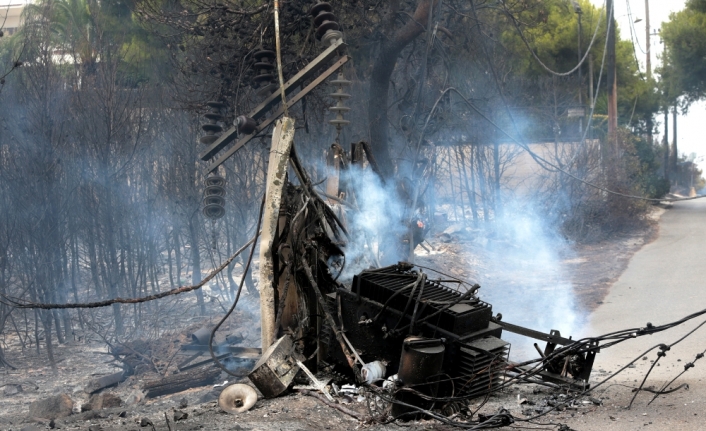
220, 385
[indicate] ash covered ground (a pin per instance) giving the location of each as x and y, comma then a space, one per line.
462, 253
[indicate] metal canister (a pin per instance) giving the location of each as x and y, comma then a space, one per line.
420, 369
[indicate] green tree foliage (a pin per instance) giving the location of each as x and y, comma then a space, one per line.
685, 50
551, 30
84, 32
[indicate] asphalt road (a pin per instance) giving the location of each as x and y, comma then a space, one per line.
664, 282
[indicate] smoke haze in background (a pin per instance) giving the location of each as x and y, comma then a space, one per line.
526, 281
380, 215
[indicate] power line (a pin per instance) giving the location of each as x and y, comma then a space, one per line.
541, 159
542, 162
632, 28
524, 39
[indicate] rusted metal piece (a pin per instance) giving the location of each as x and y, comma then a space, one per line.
275, 371
421, 358
295, 82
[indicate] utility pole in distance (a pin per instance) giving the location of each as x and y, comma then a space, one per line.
648, 60
612, 84
648, 66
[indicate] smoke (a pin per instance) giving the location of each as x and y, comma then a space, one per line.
375, 226
526, 281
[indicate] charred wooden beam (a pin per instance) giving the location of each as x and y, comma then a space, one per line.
105, 382
181, 382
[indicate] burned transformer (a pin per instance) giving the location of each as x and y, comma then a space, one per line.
394, 309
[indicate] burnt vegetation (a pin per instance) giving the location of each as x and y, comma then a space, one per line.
102, 107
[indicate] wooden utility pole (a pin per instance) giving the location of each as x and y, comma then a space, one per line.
612, 84
648, 66
648, 60
667, 166
675, 150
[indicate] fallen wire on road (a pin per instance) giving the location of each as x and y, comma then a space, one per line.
687, 367
21, 303
504, 418
663, 392
661, 354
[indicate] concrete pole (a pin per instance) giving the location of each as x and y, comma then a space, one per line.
282, 139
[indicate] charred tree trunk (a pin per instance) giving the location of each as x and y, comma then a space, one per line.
196, 265
3, 361
470, 191
181, 382
46, 317
383, 67
496, 177
169, 262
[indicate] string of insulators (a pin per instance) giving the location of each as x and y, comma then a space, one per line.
339, 108
265, 78
211, 127
214, 200
327, 29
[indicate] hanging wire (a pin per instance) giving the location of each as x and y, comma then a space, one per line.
279, 60
524, 39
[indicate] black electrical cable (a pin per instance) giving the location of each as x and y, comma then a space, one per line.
420, 281
662, 353
237, 296
524, 39
687, 367
439, 311
540, 160
394, 295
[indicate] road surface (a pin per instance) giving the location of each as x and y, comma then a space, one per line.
664, 282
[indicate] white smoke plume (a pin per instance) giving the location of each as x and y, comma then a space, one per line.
526, 281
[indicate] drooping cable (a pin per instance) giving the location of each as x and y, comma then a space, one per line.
279, 60
524, 39
237, 295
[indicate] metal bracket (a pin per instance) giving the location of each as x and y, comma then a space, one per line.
553, 337
260, 111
